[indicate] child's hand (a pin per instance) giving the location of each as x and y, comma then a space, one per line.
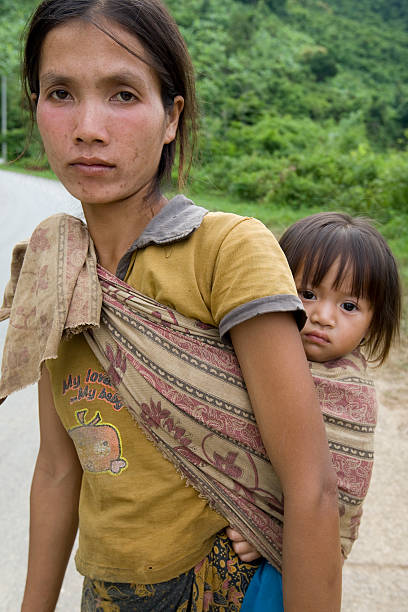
245, 551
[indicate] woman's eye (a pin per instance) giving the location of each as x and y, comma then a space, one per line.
349, 306
60, 94
306, 294
125, 96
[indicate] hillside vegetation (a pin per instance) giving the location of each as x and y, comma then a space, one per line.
304, 103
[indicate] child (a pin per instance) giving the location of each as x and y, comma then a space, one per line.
347, 279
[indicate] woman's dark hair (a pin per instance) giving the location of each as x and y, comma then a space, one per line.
167, 54
314, 243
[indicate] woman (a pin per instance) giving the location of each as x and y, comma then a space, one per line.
112, 87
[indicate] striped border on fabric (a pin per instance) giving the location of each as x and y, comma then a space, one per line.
198, 413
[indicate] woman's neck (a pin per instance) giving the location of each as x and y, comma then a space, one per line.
114, 227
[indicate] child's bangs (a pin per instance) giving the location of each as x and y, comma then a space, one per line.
366, 269
350, 254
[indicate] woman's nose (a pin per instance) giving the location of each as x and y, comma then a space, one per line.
91, 124
323, 313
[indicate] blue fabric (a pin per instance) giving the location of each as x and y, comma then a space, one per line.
265, 591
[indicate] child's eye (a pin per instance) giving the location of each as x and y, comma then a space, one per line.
60, 94
349, 306
306, 294
124, 96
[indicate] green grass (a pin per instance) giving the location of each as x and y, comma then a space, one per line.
279, 218
23, 169
274, 217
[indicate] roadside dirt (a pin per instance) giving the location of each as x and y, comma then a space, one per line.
392, 378
375, 577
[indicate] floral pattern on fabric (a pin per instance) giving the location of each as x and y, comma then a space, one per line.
221, 579
217, 584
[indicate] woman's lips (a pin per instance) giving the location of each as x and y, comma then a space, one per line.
92, 166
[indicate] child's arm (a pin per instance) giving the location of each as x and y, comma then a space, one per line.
53, 509
281, 390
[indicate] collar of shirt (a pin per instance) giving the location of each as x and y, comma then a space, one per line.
176, 221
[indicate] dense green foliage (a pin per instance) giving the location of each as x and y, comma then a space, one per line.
304, 103
301, 104
13, 16
395, 11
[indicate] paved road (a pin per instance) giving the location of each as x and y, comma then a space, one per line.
375, 576
24, 202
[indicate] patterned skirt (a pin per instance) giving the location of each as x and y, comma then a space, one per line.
217, 584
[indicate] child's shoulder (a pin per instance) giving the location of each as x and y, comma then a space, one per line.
347, 367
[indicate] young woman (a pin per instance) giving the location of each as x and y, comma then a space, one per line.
112, 88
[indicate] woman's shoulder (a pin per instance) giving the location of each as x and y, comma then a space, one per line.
183, 218
220, 227
229, 220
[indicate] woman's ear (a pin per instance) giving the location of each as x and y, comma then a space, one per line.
173, 116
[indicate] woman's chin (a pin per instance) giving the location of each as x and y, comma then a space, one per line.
94, 197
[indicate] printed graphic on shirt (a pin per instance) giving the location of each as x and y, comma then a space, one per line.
98, 444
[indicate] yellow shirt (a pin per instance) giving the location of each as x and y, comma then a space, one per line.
139, 522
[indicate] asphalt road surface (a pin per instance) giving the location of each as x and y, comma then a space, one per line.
24, 202
376, 574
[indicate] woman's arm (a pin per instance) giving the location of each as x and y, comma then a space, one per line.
53, 508
282, 394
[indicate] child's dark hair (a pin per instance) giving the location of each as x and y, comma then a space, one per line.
314, 243
150, 22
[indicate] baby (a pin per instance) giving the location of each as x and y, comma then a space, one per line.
347, 279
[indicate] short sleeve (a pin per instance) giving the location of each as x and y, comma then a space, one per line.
251, 277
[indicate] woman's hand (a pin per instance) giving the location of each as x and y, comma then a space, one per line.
245, 551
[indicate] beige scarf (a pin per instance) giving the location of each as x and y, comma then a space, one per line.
180, 382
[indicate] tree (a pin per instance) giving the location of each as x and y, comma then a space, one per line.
321, 62
277, 6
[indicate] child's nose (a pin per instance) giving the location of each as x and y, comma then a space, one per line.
323, 314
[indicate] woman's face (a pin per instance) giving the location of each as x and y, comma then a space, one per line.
100, 113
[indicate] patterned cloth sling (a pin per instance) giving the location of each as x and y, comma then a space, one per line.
180, 382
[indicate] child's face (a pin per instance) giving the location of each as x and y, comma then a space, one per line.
337, 321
